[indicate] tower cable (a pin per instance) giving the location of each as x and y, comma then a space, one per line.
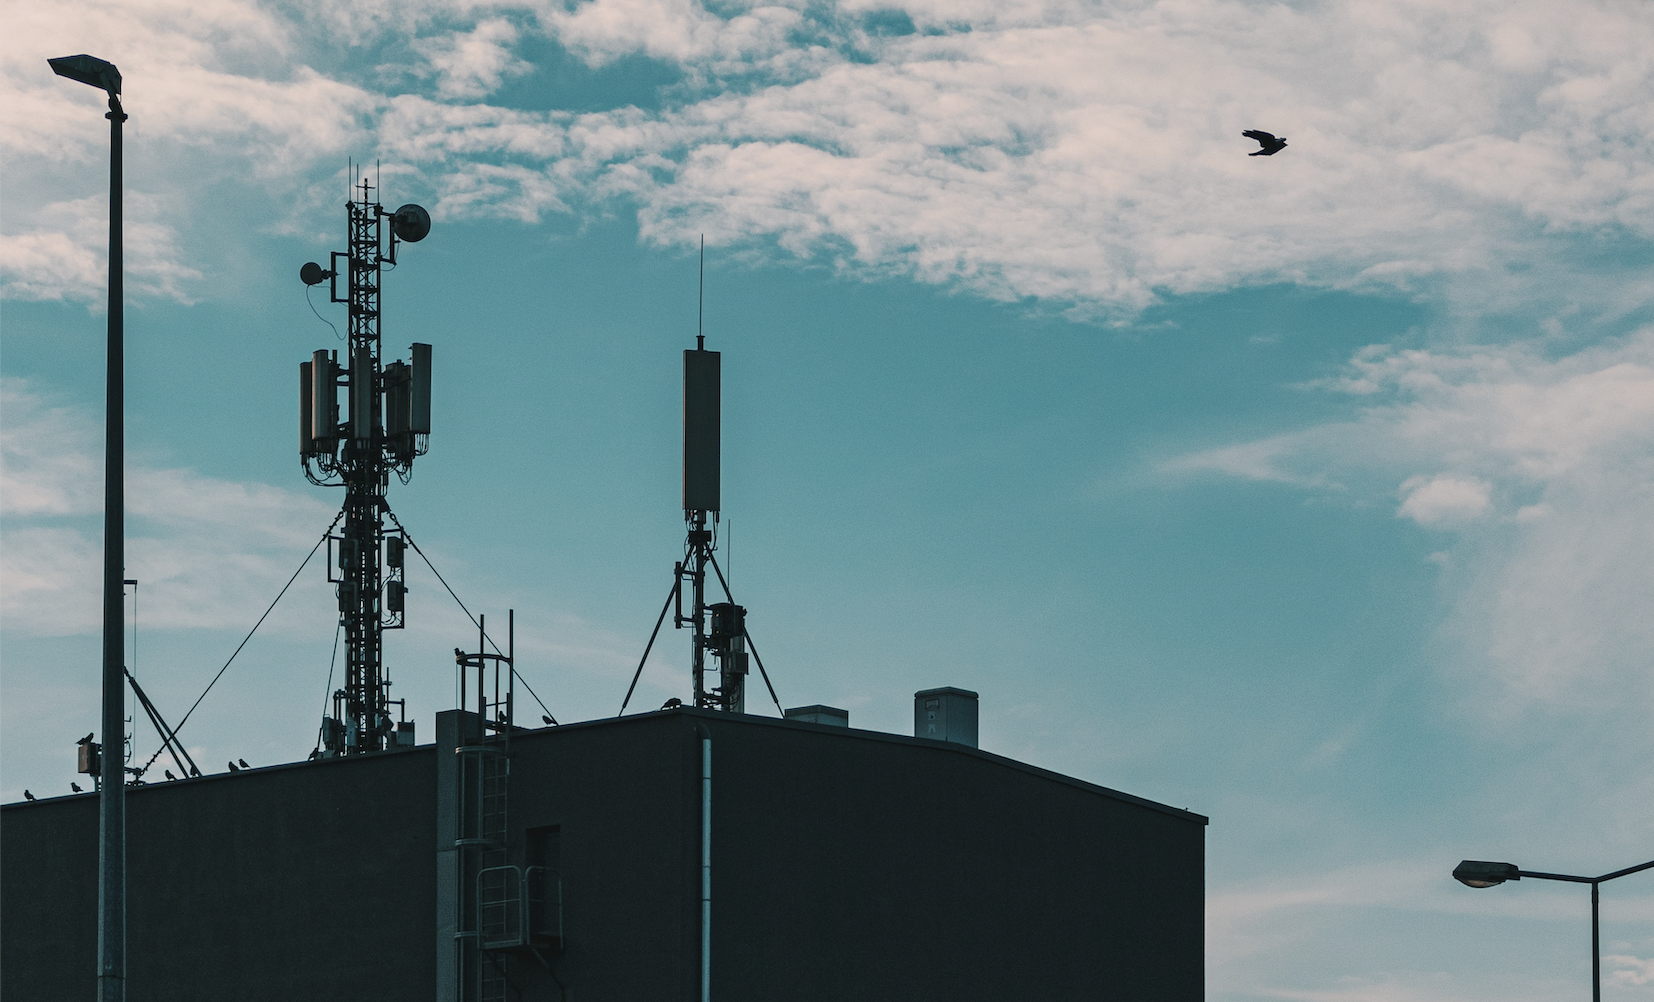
404, 530
677, 583
327, 693
248, 637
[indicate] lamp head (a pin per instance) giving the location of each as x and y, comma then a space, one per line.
1479, 873
411, 223
88, 70
314, 274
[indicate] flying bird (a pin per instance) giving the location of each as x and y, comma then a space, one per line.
243, 763
233, 767
27, 795
1270, 144
75, 787
170, 777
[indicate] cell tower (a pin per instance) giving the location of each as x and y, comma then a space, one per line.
720, 628
386, 423
727, 638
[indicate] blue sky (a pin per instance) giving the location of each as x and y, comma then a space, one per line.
1306, 492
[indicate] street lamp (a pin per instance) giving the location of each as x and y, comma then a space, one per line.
1479, 873
112, 793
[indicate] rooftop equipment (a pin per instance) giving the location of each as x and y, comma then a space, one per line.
945, 714
818, 714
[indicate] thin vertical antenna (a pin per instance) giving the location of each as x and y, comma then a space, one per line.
700, 306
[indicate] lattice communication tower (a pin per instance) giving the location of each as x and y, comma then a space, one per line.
384, 424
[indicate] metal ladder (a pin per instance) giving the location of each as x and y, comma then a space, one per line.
485, 781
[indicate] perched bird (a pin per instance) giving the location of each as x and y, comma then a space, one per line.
86, 740
233, 767
170, 777
1270, 144
672, 704
75, 787
243, 763
549, 722
27, 795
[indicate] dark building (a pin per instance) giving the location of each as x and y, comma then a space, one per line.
566, 863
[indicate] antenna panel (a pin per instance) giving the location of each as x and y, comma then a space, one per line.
306, 418
701, 380
420, 418
324, 402
361, 395
396, 403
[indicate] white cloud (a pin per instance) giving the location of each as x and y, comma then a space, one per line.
1071, 153
472, 64
1439, 500
1093, 153
69, 257
678, 30
206, 550
1629, 971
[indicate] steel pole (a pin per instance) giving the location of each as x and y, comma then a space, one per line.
112, 797
1596, 949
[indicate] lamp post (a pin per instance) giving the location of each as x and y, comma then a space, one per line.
1479, 873
112, 794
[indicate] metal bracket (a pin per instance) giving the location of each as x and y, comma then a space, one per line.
333, 280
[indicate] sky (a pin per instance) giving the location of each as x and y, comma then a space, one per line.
1307, 492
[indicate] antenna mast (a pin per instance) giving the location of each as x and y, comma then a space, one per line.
720, 628
726, 640
386, 423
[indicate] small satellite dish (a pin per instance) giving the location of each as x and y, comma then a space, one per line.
314, 274
411, 223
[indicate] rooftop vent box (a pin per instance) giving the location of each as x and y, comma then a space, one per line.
819, 715
945, 714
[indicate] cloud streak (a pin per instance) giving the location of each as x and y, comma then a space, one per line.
206, 550
1542, 467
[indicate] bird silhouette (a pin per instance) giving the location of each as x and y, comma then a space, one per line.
672, 704
170, 777
233, 767
27, 795
86, 740
243, 763
1270, 144
194, 771
549, 722
75, 787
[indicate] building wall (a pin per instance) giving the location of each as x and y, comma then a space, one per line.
621, 796
851, 864
846, 864
874, 866
303, 881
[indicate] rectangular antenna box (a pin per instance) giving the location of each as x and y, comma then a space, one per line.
700, 430
945, 714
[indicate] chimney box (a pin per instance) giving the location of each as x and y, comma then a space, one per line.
945, 714
818, 714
